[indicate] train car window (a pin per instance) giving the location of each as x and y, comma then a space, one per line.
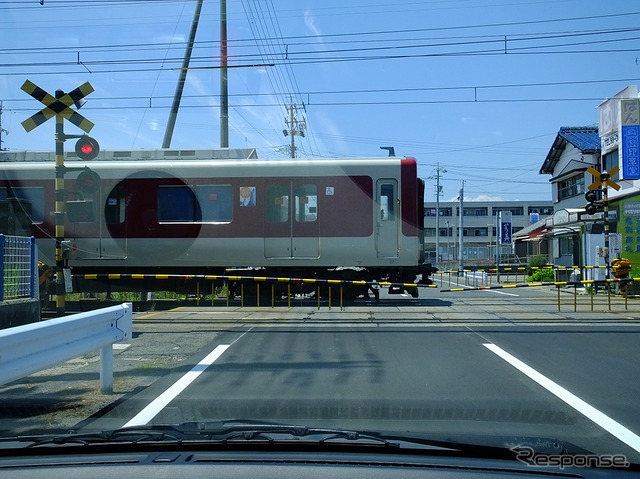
306, 203
177, 204
114, 210
387, 201
216, 203
277, 202
33, 195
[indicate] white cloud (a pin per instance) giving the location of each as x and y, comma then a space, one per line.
486, 198
478, 198
309, 21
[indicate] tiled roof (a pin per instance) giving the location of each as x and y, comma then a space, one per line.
585, 138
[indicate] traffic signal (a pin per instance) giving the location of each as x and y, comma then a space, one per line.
87, 148
594, 204
88, 182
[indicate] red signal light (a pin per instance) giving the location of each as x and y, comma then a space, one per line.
87, 148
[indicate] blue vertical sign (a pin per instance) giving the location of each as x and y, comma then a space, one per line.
505, 227
630, 123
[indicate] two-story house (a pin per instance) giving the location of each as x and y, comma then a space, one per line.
574, 150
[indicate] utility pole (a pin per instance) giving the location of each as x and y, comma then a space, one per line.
460, 230
224, 88
173, 114
2, 130
438, 192
295, 127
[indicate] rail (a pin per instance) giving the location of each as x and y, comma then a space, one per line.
340, 283
33, 347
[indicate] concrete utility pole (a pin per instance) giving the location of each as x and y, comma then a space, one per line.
294, 126
2, 130
168, 133
224, 87
438, 192
461, 231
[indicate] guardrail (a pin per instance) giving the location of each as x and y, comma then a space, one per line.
18, 267
33, 347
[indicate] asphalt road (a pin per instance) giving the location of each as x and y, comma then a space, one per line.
473, 362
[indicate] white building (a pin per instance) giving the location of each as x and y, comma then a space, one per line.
479, 230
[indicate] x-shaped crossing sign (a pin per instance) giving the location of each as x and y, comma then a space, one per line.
57, 106
604, 178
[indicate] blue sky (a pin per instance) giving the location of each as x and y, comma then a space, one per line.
478, 87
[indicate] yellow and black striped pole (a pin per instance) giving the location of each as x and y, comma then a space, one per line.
604, 177
59, 211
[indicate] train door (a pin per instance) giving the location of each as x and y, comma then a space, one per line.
387, 218
291, 220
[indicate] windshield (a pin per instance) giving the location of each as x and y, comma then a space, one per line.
363, 216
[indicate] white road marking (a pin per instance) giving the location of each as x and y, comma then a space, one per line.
155, 406
605, 422
501, 292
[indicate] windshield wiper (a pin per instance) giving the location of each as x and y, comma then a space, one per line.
213, 431
235, 431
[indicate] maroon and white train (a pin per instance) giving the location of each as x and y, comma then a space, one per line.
198, 211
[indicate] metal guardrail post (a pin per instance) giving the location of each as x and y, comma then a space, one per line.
106, 368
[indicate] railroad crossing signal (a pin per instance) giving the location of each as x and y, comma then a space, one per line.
87, 148
604, 178
57, 106
60, 108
